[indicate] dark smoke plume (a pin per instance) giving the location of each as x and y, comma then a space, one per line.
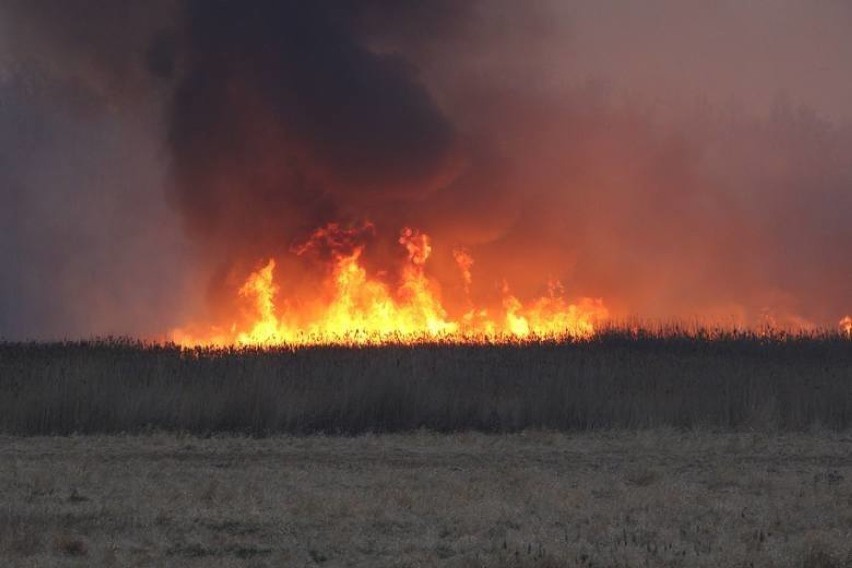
677, 158
283, 121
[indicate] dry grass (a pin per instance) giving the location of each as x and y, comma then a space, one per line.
618, 380
634, 450
658, 498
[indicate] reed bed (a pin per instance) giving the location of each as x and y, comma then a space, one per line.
618, 379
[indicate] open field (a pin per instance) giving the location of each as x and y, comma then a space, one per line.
618, 380
658, 498
626, 450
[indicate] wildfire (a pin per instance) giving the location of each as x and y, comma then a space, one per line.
355, 308
846, 325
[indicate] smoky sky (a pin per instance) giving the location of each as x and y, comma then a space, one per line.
677, 158
283, 120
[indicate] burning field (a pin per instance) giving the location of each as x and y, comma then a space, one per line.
447, 240
297, 173
350, 307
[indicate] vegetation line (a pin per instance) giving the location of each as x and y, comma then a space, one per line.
617, 380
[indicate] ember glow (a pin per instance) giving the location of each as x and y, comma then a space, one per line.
353, 307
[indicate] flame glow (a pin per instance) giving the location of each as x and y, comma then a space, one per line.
846, 325
355, 308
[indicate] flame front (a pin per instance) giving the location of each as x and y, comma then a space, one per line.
353, 308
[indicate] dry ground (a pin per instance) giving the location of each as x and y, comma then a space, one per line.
658, 498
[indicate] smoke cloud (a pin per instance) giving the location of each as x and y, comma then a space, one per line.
88, 244
677, 159
283, 120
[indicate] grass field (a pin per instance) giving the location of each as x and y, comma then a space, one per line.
617, 380
650, 498
631, 449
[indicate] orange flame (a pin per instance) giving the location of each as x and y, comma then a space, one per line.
846, 325
356, 309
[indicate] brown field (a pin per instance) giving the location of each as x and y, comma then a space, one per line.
631, 449
648, 498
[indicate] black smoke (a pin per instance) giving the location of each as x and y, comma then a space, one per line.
284, 120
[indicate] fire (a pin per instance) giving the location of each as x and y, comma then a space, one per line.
846, 325
356, 308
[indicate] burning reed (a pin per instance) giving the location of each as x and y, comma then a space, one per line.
615, 380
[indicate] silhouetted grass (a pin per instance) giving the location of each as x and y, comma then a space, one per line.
619, 379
